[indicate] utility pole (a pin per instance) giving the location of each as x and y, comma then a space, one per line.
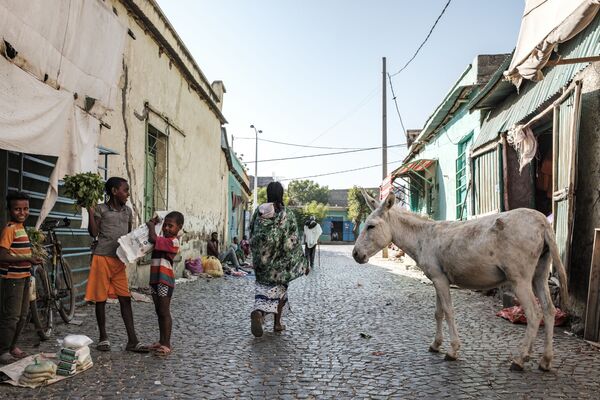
384, 133
255, 194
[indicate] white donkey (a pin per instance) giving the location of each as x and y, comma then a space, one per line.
513, 247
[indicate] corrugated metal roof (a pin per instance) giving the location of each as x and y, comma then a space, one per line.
496, 90
535, 95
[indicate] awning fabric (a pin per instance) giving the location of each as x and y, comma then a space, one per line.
37, 119
544, 25
76, 45
413, 166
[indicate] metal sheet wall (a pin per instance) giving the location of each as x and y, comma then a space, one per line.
487, 178
30, 173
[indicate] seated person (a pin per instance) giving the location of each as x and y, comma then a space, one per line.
213, 250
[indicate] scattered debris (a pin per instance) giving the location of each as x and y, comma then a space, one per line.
516, 315
595, 344
141, 297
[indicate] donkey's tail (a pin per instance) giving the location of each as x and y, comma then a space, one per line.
550, 240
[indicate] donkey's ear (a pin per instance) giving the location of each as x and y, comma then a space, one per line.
371, 202
389, 201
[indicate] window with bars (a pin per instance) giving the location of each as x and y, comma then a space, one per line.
157, 167
461, 177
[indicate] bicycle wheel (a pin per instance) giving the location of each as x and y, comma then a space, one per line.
41, 307
65, 292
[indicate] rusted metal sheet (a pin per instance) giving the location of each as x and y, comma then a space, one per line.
566, 130
592, 312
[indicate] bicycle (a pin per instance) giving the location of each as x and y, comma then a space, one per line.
53, 284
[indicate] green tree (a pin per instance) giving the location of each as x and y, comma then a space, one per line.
358, 210
317, 210
304, 191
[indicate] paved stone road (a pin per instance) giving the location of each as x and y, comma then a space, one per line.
322, 354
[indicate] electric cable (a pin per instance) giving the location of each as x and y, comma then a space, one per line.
327, 154
339, 172
426, 38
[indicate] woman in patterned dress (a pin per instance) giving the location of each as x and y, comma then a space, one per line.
277, 257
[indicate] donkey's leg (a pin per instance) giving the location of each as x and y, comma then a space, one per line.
439, 320
524, 293
442, 288
540, 286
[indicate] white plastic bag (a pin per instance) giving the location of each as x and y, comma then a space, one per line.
76, 341
135, 244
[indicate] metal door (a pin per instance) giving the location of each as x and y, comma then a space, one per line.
565, 131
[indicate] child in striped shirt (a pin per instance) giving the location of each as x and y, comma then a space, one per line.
15, 274
162, 277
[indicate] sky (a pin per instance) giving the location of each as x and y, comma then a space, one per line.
310, 72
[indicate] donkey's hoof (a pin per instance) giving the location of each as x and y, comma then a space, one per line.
449, 357
516, 367
544, 365
545, 369
433, 349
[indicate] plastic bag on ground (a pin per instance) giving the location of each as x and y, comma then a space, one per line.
76, 341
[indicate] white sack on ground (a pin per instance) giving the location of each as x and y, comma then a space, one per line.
545, 24
53, 37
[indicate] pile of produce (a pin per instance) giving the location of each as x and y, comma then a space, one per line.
86, 188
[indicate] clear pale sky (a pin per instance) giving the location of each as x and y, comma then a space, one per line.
309, 72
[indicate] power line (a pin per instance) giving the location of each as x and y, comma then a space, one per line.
396, 103
424, 41
326, 154
339, 172
347, 115
301, 145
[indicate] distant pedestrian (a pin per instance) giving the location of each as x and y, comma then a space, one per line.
312, 232
15, 272
162, 276
107, 279
277, 257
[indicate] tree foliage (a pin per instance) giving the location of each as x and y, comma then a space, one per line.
305, 191
357, 207
317, 210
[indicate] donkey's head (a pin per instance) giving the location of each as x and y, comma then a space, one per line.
377, 233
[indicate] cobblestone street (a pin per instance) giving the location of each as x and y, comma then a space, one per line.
322, 354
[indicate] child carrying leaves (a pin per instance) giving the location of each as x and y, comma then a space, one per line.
108, 222
162, 276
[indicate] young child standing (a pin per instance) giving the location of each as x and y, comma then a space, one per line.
15, 273
108, 222
162, 277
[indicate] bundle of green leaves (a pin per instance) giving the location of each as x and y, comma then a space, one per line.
86, 188
37, 239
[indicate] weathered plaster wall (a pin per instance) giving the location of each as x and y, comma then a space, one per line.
197, 169
587, 208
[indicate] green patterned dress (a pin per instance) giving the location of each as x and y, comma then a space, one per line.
276, 254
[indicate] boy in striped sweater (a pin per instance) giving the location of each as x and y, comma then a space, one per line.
162, 276
15, 274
